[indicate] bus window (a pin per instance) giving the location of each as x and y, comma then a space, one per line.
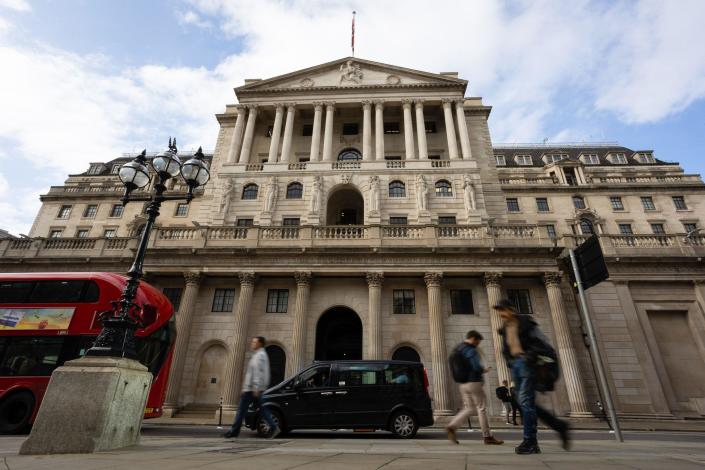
92, 292
27, 356
49, 292
15, 292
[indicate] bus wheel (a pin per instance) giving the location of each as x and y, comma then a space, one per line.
15, 412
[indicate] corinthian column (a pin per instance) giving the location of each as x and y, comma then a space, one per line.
276, 134
183, 326
493, 284
232, 380
328, 134
249, 134
374, 285
288, 133
421, 130
316, 132
408, 130
236, 139
439, 353
298, 335
566, 352
463, 129
366, 130
379, 130
450, 128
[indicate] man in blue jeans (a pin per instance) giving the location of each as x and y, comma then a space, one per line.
521, 338
256, 382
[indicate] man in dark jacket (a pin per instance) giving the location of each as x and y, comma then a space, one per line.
522, 341
505, 397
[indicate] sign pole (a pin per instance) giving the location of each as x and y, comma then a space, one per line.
594, 350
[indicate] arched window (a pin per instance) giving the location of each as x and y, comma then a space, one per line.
250, 191
349, 155
397, 189
586, 227
277, 363
443, 188
579, 202
294, 191
406, 353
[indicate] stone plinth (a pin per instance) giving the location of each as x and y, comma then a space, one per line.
92, 404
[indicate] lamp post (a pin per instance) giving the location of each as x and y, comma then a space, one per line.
117, 338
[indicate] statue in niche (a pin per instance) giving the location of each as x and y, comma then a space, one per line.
225, 197
270, 199
316, 193
350, 72
421, 193
469, 194
374, 193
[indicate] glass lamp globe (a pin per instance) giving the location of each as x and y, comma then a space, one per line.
195, 171
135, 173
167, 163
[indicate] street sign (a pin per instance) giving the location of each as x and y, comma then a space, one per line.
591, 262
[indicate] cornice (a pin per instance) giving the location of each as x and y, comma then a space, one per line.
309, 90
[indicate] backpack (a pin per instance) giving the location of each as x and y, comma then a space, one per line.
544, 360
459, 365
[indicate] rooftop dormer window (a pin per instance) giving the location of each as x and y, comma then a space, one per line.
590, 159
500, 160
618, 158
555, 157
95, 169
646, 158
524, 160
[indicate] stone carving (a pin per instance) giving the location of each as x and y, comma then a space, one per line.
246, 278
316, 193
374, 278
469, 194
393, 80
270, 199
421, 193
345, 178
192, 278
226, 196
433, 278
350, 72
374, 193
492, 279
303, 278
306, 83
552, 279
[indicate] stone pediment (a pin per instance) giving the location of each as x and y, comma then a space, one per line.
351, 72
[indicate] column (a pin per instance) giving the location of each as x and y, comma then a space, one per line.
287, 157
234, 150
374, 286
408, 130
328, 134
493, 284
316, 134
566, 352
249, 135
235, 364
463, 129
276, 133
421, 130
439, 353
298, 337
450, 128
183, 325
367, 130
379, 130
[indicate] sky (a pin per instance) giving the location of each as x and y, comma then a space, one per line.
85, 80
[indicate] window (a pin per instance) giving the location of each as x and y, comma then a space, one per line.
579, 202
461, 302
82, 233
181, 210
555, 157
616, 202
174, 296
350, 128
646, 158
399, 220
116, 210
95, 168
64, 212
270, 131
307, 130
294, 191
64, 292
250, 191
316, 377
110, 233
551, 230
500, 160
90, 211
30, 356
512, 204
444, 189
223, 300
397, 189
391, 128
55, 233
591, 159
291, 221
352, 375
404, 301
586, 227
244, 222
116, 168
689, 226
619, 159
277, 300
626, 229
523, 160
446, 220
395, 374
430, 127
658, 229
648, 203
521, 300
542, 204
679, 202
349, 155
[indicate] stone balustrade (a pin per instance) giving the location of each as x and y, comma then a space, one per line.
349, 165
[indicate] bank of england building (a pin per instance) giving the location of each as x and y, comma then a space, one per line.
360, 210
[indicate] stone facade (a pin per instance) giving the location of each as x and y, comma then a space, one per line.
358, 209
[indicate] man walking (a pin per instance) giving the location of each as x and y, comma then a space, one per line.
505, 397
522, 343
472, 392
256, 382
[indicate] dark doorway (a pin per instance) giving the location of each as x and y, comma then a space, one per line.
277, 363
405, 353
338, 335
345, 207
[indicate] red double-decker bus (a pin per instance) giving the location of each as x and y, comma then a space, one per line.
47, 319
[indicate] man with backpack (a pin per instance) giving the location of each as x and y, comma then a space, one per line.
504, 395
468, 370
534, 366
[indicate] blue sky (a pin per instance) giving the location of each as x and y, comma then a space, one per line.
85, 80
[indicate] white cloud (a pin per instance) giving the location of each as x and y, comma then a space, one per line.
192, 18
17, 5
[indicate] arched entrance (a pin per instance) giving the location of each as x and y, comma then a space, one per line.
406, 353
338, 335
210, 373
345, 207
277, 363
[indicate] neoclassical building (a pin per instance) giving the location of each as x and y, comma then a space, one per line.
360, 210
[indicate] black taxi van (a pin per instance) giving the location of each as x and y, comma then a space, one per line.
385, 395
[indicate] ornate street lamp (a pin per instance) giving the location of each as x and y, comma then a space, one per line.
117, 339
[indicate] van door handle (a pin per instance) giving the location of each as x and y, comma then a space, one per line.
326, 394
341, 393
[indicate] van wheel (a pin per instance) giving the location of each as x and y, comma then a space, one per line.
15, 412
404, 425
263, 429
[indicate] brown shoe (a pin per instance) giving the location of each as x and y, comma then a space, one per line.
452, 436
492, 441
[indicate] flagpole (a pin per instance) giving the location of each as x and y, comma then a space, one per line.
352, 41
